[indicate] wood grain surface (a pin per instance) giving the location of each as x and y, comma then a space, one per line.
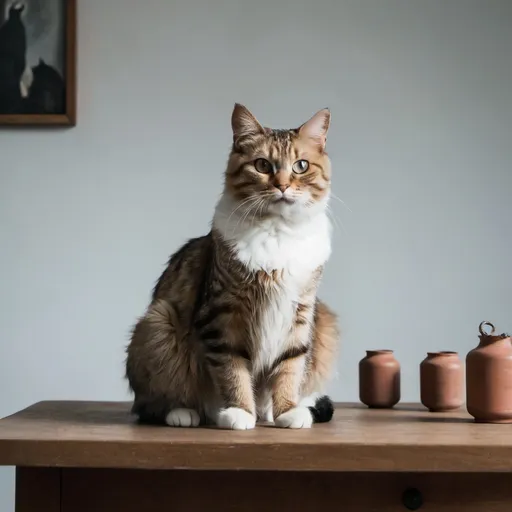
87, 490
105, 435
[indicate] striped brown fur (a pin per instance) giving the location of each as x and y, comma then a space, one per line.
197, 346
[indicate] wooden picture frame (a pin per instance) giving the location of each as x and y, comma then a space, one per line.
36, 108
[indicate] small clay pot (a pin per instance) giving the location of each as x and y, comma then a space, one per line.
379, 379
489, 378
442, 381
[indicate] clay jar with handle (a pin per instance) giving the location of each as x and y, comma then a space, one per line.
442, 381
379, 379
489, 378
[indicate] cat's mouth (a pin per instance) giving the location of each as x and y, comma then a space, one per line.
284, 199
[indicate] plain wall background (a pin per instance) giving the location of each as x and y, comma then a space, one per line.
421, 143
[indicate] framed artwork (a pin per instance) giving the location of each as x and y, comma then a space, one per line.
38, 62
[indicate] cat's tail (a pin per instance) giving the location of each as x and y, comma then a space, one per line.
322, 410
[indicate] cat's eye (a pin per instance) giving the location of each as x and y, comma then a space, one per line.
300, 166
263, 166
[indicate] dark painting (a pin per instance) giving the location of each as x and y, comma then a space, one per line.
32, 57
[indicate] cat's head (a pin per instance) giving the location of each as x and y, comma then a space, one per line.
41, 67
15, 10
279, 172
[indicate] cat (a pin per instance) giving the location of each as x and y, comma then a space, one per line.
234, 332
47, 91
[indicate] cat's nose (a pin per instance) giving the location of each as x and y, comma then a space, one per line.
281, 186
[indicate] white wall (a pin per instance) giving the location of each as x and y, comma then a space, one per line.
421, 142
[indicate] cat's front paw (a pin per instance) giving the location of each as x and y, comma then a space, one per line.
299, 417
235, 418
182, 418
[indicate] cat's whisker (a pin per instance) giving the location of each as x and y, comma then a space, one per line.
255, 212
335, 222
245, 201
334, 196
251, 208
250, 203
260, 205
335, 219
244, 216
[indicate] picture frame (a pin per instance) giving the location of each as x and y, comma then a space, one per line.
47, 87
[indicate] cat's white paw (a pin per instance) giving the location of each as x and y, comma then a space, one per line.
299, 417
182, 418
234, 418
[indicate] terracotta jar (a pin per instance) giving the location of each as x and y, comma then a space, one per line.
489, 378
379, 379
442, 381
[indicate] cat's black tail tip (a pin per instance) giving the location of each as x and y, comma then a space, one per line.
148, 414
323, 410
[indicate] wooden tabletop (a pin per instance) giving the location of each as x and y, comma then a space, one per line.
105, 435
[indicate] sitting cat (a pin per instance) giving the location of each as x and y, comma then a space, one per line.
47, 91
235, 331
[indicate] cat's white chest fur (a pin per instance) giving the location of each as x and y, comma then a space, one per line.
297, 248
276, 245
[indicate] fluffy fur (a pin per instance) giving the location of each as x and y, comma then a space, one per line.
235, 331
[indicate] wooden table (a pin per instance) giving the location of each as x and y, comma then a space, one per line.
92, 457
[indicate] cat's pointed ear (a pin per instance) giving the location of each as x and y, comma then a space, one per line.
317, 127
244, 123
